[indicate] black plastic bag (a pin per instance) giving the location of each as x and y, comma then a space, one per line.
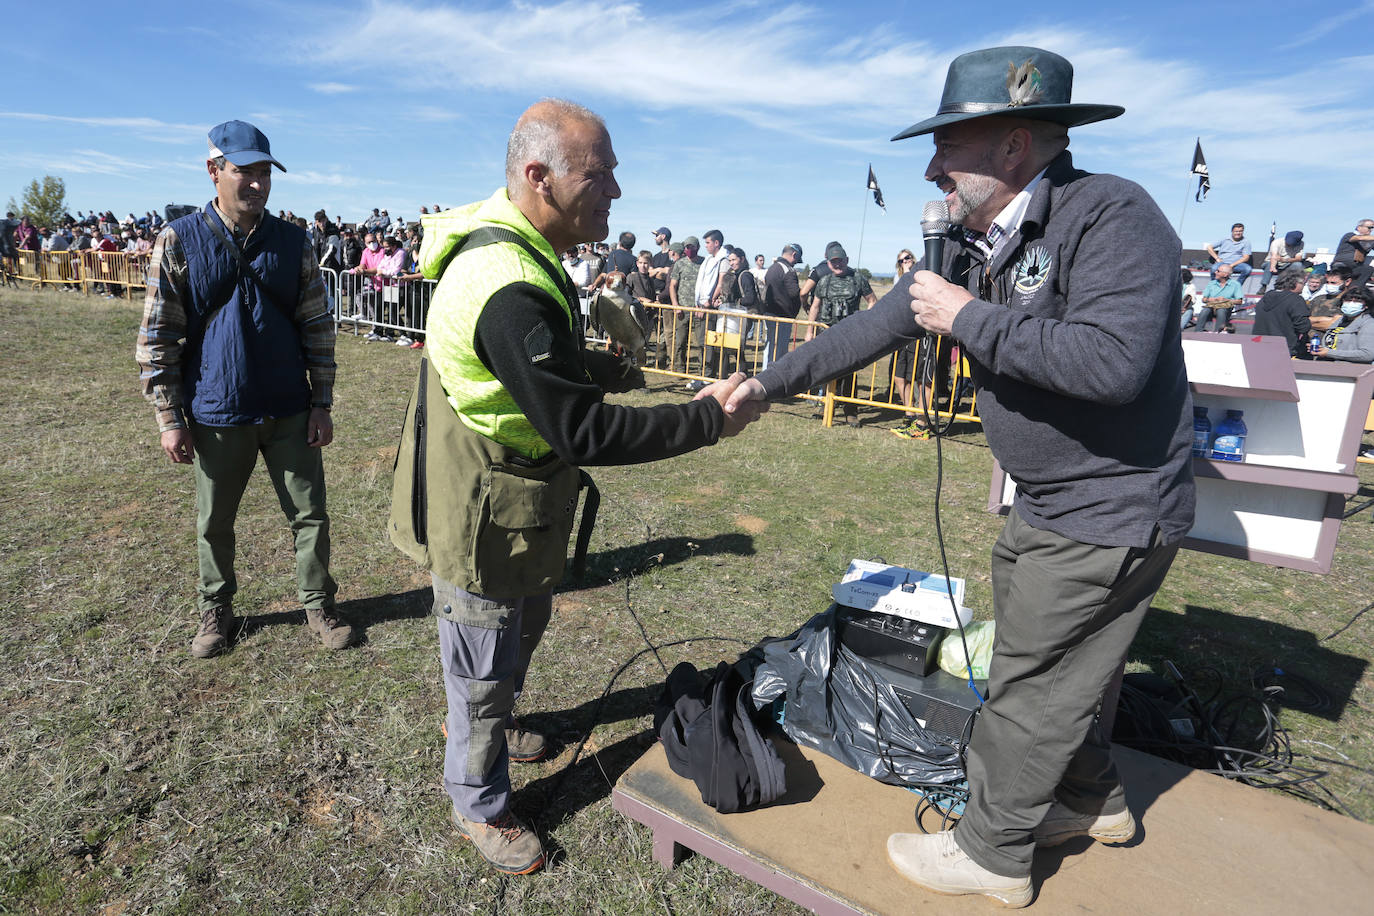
837, 704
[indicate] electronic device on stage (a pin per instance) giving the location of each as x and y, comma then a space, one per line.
908, 645
941, 702
920, 596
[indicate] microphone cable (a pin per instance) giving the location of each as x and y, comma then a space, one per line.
934, 229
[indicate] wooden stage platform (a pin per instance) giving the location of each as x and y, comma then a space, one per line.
1204, 845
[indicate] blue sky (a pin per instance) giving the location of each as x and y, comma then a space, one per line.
758, 119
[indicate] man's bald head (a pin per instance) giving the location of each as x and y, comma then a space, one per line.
560, 172
539, 136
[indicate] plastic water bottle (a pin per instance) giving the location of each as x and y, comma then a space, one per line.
1229, 444
1202, 432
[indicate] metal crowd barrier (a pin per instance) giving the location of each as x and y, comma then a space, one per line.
383, 305
84, 269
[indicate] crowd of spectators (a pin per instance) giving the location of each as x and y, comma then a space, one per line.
1323, 310
1320, 283
378, 256
93, 231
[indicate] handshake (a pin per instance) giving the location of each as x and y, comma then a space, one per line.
741, 398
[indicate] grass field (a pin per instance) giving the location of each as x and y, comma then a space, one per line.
285, 778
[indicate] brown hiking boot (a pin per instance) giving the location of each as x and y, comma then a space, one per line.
334, 631
523, 745
216, 625
506, 843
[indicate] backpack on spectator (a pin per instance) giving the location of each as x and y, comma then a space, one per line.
839, 297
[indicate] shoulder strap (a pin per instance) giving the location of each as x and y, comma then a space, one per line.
490, 235
244, 262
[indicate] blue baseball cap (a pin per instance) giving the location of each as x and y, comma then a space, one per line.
241, 143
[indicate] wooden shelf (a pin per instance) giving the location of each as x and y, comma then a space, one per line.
1277, 475
1240, 366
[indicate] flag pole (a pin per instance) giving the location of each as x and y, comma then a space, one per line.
1192, 173
863, 224
1187, 190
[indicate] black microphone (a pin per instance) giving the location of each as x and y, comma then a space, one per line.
934, 228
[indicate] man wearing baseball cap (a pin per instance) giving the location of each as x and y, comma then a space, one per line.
255, 374
1065, 302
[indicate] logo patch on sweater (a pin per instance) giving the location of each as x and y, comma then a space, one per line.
539, 344
1033, 270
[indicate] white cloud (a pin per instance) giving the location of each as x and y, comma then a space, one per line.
82, 161
785, 80
433, 114
332, 88
1328, 23
141, 125
659, 59
329, 179
854, 94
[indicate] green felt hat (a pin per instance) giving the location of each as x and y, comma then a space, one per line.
1018, 81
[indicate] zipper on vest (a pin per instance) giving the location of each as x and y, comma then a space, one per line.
418, 498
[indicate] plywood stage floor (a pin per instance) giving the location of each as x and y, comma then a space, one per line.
1204, 845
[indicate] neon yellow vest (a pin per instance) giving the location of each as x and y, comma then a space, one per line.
469, 281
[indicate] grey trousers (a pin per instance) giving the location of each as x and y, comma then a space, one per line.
484, 658
1066, 614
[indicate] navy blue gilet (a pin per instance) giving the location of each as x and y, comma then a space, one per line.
243, 362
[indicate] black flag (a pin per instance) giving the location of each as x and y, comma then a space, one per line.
877, 191
1204, 181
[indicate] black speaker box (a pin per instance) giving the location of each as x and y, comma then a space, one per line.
895, 641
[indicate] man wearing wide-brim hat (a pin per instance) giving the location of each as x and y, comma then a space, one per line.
1063, 296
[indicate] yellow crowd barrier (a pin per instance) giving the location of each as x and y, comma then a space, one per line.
84, 269
112, 268
687, 344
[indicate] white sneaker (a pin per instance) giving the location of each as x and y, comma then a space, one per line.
403, 341
1062, 823
935, 862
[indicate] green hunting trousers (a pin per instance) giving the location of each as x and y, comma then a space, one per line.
224, 460
1066, 613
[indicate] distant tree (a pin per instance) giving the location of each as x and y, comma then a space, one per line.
44, 203
865, 273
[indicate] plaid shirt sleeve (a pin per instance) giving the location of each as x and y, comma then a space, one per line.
164, 326
160, 336
317, 330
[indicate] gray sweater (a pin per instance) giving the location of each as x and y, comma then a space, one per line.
1074, 345
1354, 342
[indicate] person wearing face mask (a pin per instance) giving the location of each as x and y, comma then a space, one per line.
1352, 338
370, 261
1325, 307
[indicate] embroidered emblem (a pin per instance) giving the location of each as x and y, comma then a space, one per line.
1033, 269
1023, 84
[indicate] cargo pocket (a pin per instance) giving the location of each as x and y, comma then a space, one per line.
489, 706
521, 542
